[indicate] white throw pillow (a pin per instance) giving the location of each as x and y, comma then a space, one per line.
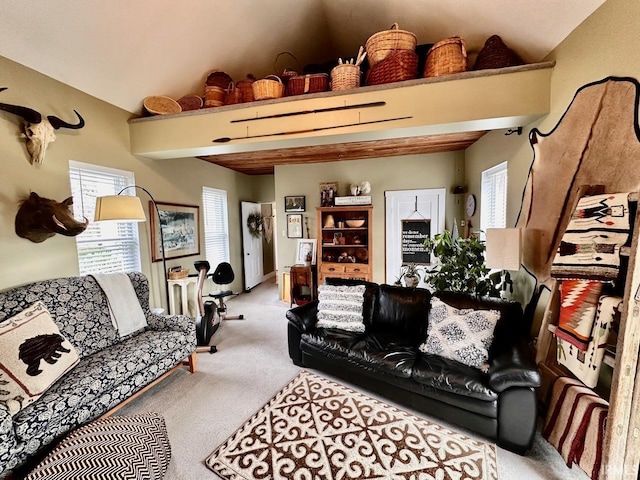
464, 335
33, 356
340, 306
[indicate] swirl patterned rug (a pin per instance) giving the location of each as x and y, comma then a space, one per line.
315, 428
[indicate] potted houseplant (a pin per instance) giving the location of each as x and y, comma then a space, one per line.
410, 274
461, 266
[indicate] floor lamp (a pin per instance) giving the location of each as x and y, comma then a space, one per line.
127, 208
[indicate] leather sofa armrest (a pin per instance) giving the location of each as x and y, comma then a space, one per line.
304, 317
514, 366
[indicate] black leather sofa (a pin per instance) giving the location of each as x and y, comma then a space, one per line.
500, 404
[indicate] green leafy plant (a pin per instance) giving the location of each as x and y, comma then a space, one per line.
461, 266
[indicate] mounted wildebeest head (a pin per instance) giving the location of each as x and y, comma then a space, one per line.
40, 218
39, 132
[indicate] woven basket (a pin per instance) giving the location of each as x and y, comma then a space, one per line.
399, 66
446, 57
231, 95
213, 96
312, 83
177, 275
495, 54
190, 102
268, 87
345, 77
161, 105
216, 78
381, 44
244, 88
286, 73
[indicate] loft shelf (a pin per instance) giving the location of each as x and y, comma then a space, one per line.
418, 116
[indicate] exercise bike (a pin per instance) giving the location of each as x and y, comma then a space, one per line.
207, 322
210, 314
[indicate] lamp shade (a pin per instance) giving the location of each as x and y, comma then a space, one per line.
503, 248
125, 208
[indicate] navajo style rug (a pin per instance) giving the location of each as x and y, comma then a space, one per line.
315, 428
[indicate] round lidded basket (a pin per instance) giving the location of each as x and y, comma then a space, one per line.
399, 66
345, 77
446, 57
245, 89
161, 105
268, 88
213, 96
381, 44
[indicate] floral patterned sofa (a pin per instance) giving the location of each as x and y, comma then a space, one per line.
110, 369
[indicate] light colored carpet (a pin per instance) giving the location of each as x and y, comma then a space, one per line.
202, 410
318, 428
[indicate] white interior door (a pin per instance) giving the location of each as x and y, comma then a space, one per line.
251, 248
410, 215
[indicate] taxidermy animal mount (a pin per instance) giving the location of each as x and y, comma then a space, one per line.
38, 131
39, 218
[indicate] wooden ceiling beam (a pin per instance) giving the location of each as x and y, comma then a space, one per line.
263, 162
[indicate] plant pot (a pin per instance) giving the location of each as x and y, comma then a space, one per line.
411, 281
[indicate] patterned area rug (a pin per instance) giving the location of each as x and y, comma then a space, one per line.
315, 428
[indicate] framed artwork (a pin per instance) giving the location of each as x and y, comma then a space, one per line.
306, 251
294, 225
294, 203
180, 230
328, 194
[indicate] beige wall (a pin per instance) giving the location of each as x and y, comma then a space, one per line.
103, 141
442, 170
605, 44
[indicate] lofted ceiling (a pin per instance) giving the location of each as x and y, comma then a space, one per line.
123, 51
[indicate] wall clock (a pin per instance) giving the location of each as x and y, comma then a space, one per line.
471, 205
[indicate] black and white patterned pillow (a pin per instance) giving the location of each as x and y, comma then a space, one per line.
464, 335
127, 447
340, 306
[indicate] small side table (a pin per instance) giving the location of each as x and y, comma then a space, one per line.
302, 284
187, 306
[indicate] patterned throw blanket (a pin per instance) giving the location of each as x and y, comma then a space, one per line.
586, 364
575, 424
590, 247
588, 255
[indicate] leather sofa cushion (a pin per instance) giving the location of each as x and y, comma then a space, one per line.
403, 311
387, 352
449, 375
370, 295
332, 342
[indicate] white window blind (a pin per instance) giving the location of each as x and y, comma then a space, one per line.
216, 225
493, 209
104, 247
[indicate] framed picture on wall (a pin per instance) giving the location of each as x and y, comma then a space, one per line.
294, 225
180, 230
294, 203
306, 251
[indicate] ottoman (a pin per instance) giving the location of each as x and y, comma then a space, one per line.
128, 447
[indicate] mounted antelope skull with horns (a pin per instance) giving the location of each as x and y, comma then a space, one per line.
39, 218
38, 131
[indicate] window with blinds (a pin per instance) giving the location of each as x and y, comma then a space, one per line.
493, 209
104, 247
216, 225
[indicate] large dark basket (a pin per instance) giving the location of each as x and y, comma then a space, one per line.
495, 54
400, 65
